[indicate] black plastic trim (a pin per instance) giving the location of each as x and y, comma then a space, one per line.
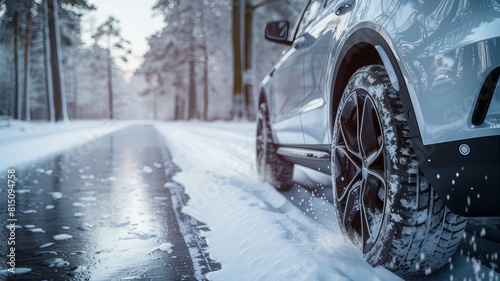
318, 147
305, 153
469, 185
318, 164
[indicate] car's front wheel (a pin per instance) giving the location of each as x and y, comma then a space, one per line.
384, 204
271, 167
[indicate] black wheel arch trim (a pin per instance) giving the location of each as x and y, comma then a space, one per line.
340, 79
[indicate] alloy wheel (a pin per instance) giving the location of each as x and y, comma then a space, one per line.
360, 169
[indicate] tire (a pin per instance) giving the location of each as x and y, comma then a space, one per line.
384, 204
271, 167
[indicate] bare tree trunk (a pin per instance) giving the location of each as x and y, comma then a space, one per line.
61, 111
75, 89
237, 67
248, 72
17, 95
183, 113
110, 87
205, 82
191, 89
176, 109
27, 42
192, 107
205, 71
48, 69
155, 96
155, 105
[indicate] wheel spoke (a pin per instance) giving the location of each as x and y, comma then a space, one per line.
374, 193
351, 208
377, 184
349, 125
359, 117
350, 172
378, 174
366, 231
364, 128
369, 142
352, 158
375, 155
372, 205
347, 188
350, 143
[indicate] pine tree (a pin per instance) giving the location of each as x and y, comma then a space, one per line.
108, 34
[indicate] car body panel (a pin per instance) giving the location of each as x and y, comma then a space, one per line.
315, 110
328, 35
447, 49
288, 89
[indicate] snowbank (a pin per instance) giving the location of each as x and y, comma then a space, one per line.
25, 141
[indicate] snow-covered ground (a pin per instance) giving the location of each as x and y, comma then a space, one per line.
22, 141
256, 233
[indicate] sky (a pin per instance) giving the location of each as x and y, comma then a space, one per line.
136, 21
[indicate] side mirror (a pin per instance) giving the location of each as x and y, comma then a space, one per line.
278, 32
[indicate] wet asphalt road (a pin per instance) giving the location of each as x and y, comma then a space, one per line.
105, 213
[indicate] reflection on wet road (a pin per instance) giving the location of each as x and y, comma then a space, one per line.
111, 214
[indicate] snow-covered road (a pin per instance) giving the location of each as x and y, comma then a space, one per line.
256, 232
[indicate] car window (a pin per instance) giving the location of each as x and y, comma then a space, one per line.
310, 12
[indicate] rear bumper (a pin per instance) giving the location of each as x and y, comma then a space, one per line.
468, 182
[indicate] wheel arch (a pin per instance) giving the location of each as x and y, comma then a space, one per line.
366, 46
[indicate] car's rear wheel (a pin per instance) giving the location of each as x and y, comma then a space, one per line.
271, 167
384, 204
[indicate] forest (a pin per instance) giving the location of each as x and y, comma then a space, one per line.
206, 63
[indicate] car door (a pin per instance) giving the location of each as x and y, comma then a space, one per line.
288, 85
321, 34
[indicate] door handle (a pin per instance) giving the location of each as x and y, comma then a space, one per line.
343, 7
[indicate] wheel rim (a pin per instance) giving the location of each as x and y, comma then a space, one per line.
360, 170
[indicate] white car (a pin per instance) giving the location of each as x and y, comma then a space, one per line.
398, 101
